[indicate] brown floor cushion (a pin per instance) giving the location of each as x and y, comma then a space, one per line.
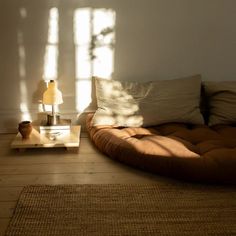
189, 152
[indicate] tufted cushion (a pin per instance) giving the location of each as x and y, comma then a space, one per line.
190, 152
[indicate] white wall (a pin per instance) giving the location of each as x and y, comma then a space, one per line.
155, 39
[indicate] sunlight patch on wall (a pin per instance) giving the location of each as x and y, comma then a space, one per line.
51, 51
104, 37
21, 51
103, 64
94, 39
50, 68
23, 12
25, 115
83, 67
51, 54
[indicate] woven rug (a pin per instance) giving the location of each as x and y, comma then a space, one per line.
124, 210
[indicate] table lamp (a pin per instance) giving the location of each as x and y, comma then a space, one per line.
52, 96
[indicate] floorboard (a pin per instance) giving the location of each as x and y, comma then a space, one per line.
9, 193
3, 225
7, 209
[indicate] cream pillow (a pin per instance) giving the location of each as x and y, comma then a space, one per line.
134, 104
221, 98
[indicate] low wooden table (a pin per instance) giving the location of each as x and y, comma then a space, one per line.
69, 139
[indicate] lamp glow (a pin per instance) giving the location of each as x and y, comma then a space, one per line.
52, 96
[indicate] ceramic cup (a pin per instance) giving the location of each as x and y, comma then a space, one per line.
25, 129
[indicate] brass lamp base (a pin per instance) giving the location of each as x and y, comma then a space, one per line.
53, 119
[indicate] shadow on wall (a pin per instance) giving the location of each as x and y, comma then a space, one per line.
61, 41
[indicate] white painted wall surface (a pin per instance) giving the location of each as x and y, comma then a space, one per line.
154, 39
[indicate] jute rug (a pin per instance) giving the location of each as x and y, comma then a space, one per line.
124, 210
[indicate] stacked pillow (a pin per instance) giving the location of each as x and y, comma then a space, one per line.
134, 104
221, 97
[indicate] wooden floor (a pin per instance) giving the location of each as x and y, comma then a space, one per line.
57, 166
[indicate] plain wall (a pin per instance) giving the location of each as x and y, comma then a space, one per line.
154, 39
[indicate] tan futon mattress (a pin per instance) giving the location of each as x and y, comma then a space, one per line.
190, 152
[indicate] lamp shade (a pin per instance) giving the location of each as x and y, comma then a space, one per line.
52, 96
